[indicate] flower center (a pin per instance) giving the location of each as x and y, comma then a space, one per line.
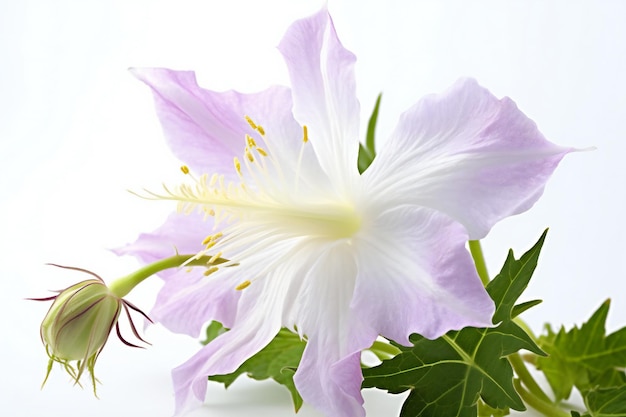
269, 203
330, 221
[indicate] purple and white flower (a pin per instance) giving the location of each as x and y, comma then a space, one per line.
314, 246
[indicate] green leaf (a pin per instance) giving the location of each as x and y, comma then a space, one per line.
278, 360
485, 411
611, 378
513, 279
520, 308
584, 357
606, 402
367, 153
365, 158
447, 376
370, 138
212, 331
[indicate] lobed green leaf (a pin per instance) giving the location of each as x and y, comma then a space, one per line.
278, 361
606, 402
448, 376
584, 357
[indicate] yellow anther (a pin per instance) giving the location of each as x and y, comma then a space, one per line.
212, 238
251, 142
243, 285
261, 151
185, 169
251, 123
237, 165
210, 271
211, 212
249, 155
214, 258
255, 126
305, 131
210, 244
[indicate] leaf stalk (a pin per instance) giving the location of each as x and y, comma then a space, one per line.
526, 378
479, 260
548, 409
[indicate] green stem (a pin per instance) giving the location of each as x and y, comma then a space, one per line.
479, 259
386, 349
122, 286
546, 408
526, 378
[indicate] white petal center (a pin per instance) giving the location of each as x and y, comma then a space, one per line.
272, 200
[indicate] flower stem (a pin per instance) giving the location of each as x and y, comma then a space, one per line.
546, 408
526, 378
384, 349
122, 286
479, 260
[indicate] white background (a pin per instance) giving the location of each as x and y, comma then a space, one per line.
77, 131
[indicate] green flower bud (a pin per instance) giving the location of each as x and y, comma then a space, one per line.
78, 325
79, 321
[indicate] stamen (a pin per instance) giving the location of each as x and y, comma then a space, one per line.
210, 271
251, 123
237, 166
185, 169
305, 139
255, 126
211, 241
243, 285
213, 181
251, 142
212, 238
261, 151
249, 155
214, 258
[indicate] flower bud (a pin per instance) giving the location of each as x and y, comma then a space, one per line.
78, 324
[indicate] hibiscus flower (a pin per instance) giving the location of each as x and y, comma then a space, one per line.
314, 246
